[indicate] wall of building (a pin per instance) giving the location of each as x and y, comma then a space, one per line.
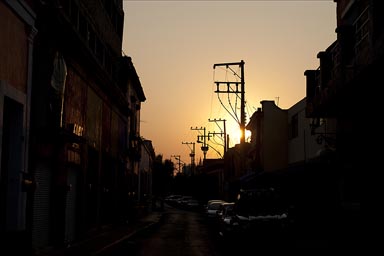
16, 54
305, 144
13, 49
274, 137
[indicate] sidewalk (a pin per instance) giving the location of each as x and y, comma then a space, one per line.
105, 240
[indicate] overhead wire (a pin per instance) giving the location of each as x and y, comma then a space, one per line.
229, 98
216, 150
236, 102
212, 91
218, 143
220, 100
222, 104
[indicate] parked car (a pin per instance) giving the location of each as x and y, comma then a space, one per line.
213, 200
258, 212
233, 225
212, 207
183, 201
193, 204
171, 199
224, 209
225, 218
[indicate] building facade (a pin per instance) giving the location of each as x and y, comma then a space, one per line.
18, 30
145, 174
346, 82
71, 156
308, 140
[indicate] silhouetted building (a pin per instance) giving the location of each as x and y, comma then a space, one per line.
146, 169
70, 104
237, 168
17, 33
269, 140
212, 173
344, 84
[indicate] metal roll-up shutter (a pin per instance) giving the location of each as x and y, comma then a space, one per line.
70, 210
41, 207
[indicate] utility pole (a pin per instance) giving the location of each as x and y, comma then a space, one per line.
204, 147
221, 133
217, 133
192, 154
236, 91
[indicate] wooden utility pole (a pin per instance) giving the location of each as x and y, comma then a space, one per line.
240, 91
192, 154
204, 137
224, 132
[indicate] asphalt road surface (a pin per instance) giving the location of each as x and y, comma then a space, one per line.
191, 233
181, 232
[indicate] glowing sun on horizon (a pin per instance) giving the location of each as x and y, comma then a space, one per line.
235, 135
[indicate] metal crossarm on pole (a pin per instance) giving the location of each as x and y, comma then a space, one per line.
240, 91
223, 131
192, 154
204, 147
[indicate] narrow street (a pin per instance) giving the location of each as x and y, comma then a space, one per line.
190, 233
180, 232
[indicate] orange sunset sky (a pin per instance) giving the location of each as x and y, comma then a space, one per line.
174, 45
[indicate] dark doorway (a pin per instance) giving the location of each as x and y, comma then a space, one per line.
11, 163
